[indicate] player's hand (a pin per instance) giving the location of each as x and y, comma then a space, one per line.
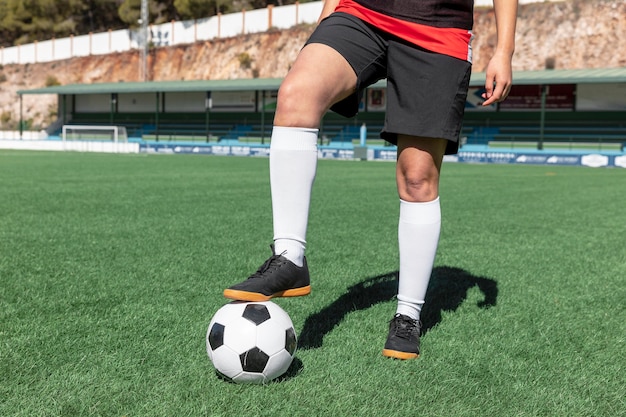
499, 78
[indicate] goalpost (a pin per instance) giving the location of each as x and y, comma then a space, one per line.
97, 138
113, 134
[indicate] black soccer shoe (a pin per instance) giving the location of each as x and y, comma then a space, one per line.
403, 341
277, 277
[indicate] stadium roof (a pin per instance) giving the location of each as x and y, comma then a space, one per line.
254, 84
561, 76
557, 76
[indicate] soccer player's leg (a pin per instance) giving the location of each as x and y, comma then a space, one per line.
425, 103
417, 174
319, 77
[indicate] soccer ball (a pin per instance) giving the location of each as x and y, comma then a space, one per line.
251, 342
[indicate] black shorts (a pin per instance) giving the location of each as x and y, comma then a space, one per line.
426, 91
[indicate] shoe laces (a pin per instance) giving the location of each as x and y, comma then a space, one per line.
271, 264
404, 327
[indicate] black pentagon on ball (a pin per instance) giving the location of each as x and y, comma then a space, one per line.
290, 340
256, 313
216, 336
254, 360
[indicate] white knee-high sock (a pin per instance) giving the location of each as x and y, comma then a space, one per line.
418, 237
293, 164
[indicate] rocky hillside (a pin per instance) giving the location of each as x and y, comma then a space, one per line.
570, 34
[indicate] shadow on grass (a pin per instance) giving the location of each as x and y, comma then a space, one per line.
447, 289
294, 370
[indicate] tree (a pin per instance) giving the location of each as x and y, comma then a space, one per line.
14, 19
99, 16
30, 20
198, 9
24, 21
158, 11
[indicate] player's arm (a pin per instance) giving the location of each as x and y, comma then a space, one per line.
327, 9
499, 72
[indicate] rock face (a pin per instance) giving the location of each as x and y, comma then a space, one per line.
570, 34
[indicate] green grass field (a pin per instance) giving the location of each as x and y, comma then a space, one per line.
111, 267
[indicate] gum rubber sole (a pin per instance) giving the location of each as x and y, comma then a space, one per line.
255, 296
400, 355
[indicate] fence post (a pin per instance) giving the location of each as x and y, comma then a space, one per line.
270, 9
297, 12
243, 21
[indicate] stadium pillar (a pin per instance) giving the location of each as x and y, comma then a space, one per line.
542, 119
21, 116
113, 107
64, 108
208, 104
156, 116
263, 117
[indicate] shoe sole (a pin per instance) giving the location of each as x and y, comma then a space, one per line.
396, 354
255, 296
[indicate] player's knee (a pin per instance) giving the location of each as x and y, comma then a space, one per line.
418, 188
296, 105
290, 96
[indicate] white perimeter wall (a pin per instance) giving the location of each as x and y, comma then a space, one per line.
174, 33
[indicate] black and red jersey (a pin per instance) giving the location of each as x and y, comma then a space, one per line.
442, 26
438, 13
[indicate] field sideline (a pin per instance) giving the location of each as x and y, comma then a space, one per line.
111, 267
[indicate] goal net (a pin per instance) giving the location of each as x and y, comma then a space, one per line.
94, 133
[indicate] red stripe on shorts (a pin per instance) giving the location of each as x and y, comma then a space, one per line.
448, 41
